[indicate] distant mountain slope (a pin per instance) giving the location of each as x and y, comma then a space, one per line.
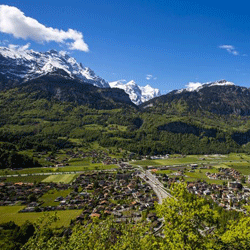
221, 97
137, 94
54, 86
53, 106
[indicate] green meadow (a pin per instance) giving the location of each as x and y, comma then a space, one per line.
25, 179
242, 167
76, 166
240, 162
61, 178
230, 159
10, 213
51, 195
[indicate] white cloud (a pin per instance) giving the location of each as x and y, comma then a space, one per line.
230, 49
149, 77
14, 22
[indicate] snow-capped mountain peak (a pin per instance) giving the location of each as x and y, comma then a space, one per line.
221, 83
197, 86
23, 64
150, 90
138, 94
132, 83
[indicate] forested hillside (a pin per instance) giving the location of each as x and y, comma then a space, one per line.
42, 116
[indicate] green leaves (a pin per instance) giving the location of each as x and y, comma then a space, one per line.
188, 218
238, 235
97, 235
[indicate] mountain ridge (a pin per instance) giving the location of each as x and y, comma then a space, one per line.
56, 87
220, 97
22, 65
25, 65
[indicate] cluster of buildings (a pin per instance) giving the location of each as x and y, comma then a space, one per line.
225, 174
98, 194
96, 156
26, 193
232, 196
123, 195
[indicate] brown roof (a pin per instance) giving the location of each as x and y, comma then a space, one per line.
104, 202
95, 215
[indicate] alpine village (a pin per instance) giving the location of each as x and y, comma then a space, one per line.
87, 163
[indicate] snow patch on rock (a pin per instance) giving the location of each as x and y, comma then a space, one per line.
196, 86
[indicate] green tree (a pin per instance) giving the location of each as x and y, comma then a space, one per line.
238, 235
189, 220
98, 235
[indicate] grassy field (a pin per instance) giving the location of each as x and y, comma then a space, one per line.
170, 161
25, 179
61, 178
198, 159
51, 195
77, 166
221, 166
79, 162
165, 172
242, 167
201, 173
211, 181
94, 166
198, 174
27, 171
10, 213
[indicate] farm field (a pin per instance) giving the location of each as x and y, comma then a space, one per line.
198, 174
10, 213
210, 181
78, 166
73, 168
242, 167
62, 178
199, 159
51, 195
24, 179
201, 173
165, 171
26, 171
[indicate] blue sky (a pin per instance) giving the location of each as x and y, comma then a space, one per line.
174, 41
